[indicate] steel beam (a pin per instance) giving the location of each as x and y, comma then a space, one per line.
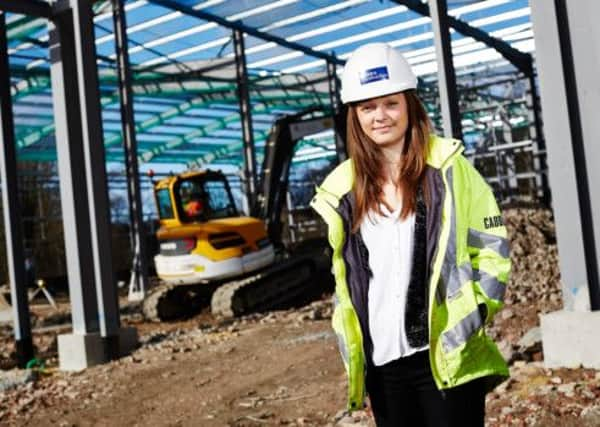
446, 75
13, 232
246, 117
521, 60
138, 239
171, 4
36, 8
73, 192
95, 168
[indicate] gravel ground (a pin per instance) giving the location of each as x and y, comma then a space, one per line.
283, 368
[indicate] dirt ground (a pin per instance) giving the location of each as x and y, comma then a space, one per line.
274, 369
281, 368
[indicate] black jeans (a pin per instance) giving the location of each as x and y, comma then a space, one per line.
403, 393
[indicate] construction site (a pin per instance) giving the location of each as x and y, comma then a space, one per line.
160, 261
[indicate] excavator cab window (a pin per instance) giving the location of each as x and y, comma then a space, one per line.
204, 198
165, 208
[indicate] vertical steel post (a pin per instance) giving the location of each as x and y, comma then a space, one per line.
334, 99
95, 170
13, 231
246, 117
538, 137
579, 50
567, 81
71, 172
446, 75
140, 269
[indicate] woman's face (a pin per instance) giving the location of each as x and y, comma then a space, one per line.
384, 119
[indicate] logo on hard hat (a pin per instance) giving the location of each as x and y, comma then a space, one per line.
374, 75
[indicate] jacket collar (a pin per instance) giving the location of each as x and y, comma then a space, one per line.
442, 149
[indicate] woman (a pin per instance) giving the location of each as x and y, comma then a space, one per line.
420, 256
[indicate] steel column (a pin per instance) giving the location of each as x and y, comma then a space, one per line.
246, 118
572, 153
580, 48
95, 168
73, 192
139, 268
334, 99
13, 232
445, 72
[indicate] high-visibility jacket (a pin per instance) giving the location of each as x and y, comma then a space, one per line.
467, 271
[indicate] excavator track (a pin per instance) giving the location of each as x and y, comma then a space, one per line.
288, 282
279, 284
169, 302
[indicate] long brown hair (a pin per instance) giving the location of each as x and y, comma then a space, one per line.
369, 161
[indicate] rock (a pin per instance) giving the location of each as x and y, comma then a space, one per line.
16, 377
507, 313
506, 349
530, 343
568, 389
591, 416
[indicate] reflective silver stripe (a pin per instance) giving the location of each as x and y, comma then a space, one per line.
459, 334
457, 278
492, 287
448, 283
481, 240
343, 348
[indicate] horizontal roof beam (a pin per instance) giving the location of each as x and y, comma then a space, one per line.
171, 4
28, 7
523, 61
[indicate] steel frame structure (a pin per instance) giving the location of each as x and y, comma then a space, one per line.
82, 155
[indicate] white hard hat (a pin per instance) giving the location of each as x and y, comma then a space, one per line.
375, 69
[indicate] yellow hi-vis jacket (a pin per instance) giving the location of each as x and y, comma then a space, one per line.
467, 272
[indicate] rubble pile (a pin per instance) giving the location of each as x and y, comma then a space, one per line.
535, 274
540, 397
534, 287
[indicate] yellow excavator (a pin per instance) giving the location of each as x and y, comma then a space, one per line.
202, 237
207, 250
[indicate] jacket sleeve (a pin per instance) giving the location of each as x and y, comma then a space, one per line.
487, 244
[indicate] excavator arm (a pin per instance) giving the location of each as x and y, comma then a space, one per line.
279, 151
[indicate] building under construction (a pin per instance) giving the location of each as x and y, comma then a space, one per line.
104, 104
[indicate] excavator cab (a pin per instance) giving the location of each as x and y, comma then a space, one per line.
195, 197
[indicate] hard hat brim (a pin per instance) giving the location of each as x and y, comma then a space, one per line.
376, 90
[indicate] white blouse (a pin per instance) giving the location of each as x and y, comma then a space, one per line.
389, 241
